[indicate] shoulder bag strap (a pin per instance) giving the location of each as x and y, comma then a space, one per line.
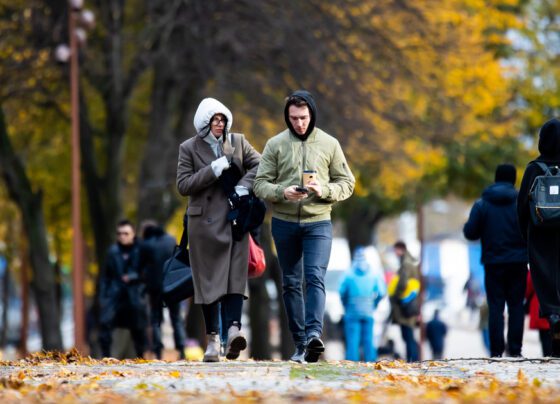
185, 236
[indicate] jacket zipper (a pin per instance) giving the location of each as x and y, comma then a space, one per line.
303, 157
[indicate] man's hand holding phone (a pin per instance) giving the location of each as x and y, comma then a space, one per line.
295, 193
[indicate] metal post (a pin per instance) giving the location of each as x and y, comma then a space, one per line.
77, 244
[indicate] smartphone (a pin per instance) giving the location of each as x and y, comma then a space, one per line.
302, 190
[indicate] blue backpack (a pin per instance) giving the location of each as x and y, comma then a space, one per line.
544, 197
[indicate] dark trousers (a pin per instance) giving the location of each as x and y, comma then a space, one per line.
505, 283
304, 251
546, 342
407, 334
156, 318
231, 307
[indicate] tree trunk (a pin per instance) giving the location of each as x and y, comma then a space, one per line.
273, 267
259, 314
362, 219
156, 188
30, 205
5, 305
195, 324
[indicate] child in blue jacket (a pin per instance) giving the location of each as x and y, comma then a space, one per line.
360, 292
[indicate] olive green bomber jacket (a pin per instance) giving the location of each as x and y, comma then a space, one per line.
283, 161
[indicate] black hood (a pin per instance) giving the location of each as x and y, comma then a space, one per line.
549, 141
308, 98
500, 193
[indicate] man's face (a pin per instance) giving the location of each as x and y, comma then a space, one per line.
125, 235
217, 125
299, 118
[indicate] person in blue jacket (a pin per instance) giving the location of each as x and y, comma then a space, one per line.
360, 291
493, 220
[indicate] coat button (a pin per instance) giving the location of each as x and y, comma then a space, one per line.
209, 220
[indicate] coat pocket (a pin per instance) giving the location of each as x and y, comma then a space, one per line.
194, 210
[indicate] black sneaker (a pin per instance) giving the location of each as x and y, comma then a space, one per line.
299, 354
315, 348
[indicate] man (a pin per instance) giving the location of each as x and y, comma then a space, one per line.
122, 300
301, 225
493, 220
404, 297
157, 247
436, 330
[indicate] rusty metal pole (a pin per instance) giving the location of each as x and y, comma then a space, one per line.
77, 244
420, 236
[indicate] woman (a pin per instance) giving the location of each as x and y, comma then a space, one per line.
219, 263
543, 242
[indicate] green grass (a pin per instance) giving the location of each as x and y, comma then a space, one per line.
319, 371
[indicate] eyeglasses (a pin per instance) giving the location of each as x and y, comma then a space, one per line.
217, 121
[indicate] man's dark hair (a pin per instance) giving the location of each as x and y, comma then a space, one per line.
125, 222
400, 244
297, 101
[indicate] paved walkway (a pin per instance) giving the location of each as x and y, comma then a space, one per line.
74, 379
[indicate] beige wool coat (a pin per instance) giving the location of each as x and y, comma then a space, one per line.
219, 263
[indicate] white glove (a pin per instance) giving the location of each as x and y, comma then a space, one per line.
241, 190
219, 165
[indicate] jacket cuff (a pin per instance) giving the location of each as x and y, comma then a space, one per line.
279, 193
326, 194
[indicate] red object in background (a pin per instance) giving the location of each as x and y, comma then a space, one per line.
535, 321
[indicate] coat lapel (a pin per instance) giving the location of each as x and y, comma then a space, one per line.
204, 151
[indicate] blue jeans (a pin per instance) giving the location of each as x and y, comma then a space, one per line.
359, 333
304, 251
407, 334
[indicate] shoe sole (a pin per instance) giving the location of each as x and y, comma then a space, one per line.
211, 359
237, 345
314, 350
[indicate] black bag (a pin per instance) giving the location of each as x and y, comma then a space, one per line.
177, 273
246, 212
544, 197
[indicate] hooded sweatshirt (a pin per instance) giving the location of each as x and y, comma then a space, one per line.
549, 148
287, 155
308, 98
493, 220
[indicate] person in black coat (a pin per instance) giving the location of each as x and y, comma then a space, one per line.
122, 291
157, 247
543, 243
493, 220
436, 330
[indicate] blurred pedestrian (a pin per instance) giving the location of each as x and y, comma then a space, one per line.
303, 171
436, 330
543, 242
219, 263
360, 291
493, 220
483, 325
122, 291
536, 322
157, 247
404, 293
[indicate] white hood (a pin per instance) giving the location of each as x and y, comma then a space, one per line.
207, 108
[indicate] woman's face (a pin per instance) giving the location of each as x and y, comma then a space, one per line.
217, 125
